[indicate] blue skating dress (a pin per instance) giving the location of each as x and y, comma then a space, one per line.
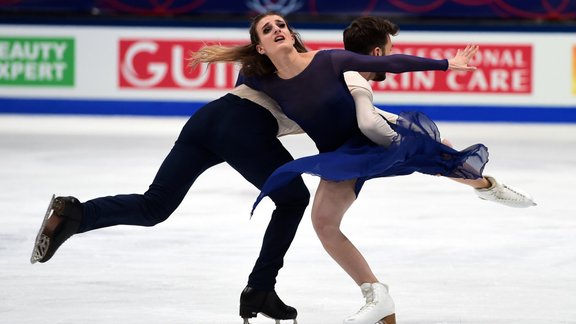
318, 100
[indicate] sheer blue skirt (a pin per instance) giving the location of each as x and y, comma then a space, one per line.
417, 148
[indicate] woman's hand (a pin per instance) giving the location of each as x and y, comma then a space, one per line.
460, 61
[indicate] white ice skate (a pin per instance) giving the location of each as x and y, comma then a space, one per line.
379, 307
505, 195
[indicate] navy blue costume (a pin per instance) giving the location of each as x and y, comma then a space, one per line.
216, 133
319, 101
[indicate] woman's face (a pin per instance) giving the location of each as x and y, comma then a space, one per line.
273, 34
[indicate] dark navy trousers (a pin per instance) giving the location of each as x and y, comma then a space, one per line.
232, 130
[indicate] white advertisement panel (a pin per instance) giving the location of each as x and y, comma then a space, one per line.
520, 70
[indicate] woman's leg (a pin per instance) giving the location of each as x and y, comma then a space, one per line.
332, 200
488, 188
330, 203
474, 183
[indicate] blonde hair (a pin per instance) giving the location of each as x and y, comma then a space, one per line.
253, 63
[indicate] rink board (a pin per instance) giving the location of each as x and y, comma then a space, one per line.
142, 71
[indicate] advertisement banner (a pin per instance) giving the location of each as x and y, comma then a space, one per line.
36, 61
161, 64
501, 69
519, 77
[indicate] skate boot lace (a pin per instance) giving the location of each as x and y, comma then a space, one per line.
366, 308
516, 197
369, 295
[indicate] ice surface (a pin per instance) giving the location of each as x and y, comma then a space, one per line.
447, 256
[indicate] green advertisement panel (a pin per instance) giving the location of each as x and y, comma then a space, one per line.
37, 61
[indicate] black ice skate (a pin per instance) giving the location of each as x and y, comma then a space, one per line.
267, 303
61, 221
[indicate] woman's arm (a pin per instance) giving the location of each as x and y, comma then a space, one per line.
399, 63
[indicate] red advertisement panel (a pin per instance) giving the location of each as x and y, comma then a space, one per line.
501, 69
147, 63
162, 64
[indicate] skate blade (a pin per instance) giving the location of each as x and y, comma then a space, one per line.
390, 319
40, 240
277, 321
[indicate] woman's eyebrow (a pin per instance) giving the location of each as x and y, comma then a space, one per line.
276, 21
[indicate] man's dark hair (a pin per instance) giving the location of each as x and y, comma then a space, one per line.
366, 33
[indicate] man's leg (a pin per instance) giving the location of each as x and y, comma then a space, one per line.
185, 162
291, 201
255, 153
176, 175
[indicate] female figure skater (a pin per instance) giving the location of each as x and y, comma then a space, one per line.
310, 88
